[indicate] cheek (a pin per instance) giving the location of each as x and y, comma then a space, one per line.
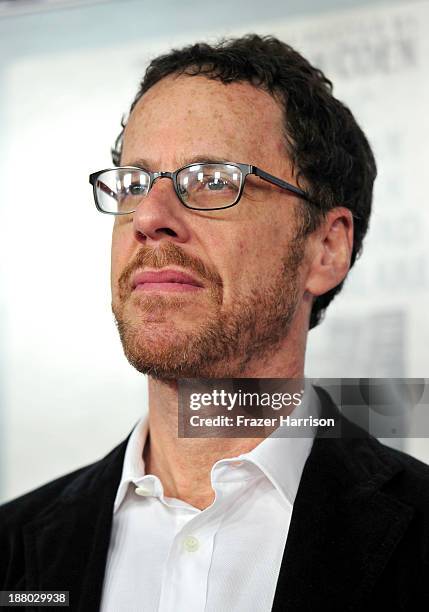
262, 244
257, 256
247, 264
241, 248
118, 256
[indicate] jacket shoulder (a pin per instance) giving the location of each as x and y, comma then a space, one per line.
411, 483
19, 509
15, 513
360, 457
74, 489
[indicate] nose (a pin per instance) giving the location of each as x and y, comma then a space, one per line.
160, 215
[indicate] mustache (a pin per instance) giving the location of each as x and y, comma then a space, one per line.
161, 257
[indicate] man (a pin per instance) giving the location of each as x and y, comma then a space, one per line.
241, 198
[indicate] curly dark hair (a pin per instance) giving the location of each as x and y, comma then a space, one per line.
328, 149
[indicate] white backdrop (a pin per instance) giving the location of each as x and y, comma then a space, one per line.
69, 395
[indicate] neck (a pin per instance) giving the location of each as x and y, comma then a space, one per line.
184, 464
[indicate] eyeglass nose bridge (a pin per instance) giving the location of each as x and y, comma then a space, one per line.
157, 175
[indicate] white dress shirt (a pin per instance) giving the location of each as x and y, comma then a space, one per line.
165, 555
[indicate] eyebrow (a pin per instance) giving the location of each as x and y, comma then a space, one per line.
141, 162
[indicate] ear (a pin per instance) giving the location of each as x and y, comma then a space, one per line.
331, 250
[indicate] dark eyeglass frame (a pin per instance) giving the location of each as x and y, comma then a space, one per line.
246, 170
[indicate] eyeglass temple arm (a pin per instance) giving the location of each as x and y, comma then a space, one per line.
276, 181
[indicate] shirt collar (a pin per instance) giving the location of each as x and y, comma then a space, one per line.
133, 467
280, 457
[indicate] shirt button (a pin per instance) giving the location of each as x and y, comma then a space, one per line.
191, 543
143, 491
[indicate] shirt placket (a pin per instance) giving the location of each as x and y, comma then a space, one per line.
185, 575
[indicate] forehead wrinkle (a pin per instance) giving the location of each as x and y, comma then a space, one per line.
181, 160
243, 119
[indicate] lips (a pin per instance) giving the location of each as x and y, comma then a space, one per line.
165, 280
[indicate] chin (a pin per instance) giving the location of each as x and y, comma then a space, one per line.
158, 347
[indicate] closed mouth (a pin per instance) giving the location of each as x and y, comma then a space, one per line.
165, 280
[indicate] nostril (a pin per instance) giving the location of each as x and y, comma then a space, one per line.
168, 231
142, 237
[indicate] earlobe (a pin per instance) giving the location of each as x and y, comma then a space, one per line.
332, 248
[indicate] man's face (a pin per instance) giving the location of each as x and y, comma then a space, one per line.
245, 260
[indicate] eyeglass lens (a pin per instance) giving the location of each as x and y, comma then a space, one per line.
201, 186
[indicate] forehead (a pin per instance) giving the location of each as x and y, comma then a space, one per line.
185, 116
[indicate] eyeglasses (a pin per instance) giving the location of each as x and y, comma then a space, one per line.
199, 186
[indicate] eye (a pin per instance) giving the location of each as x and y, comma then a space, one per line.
216, 184
136, 189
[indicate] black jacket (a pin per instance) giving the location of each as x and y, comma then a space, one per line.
358, 538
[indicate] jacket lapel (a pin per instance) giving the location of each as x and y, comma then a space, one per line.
343, 531
66, 546
344, 528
